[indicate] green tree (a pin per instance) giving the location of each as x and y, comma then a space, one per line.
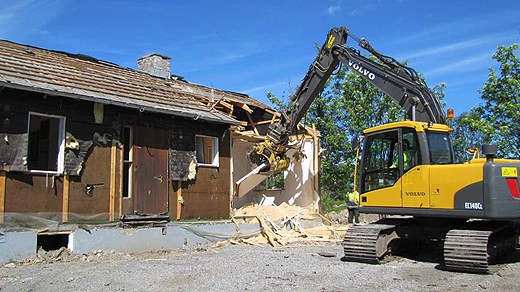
466, 135
497, 119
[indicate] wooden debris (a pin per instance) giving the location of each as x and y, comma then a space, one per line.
282, 225
268, 232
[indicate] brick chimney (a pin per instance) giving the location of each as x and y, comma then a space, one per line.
155, 64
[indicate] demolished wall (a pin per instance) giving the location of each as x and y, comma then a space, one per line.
300, 179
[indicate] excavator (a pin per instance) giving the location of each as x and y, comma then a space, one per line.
407, 172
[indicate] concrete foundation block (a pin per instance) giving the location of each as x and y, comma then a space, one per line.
16, 246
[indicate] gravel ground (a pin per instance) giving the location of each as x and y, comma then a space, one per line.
244, 268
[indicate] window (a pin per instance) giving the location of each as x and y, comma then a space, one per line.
46, 146
388, 156
381, 161
128, 142
411, 153
440, 148
207, 150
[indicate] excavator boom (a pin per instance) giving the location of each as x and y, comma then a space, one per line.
398, 81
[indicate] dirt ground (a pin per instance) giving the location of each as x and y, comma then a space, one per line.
297, 267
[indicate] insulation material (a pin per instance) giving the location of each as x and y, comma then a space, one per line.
13, 152
98, 112
75, 154
102, 141
182, 165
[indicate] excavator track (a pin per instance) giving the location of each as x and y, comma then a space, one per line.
368, 243
467, 251
478, 246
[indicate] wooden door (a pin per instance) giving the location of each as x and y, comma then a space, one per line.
150, 166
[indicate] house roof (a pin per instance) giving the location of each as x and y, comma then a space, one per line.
83, 77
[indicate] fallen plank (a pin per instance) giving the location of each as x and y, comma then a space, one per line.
250, 181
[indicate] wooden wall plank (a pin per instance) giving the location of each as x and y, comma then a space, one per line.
66, 192
179, 197
112, 204
120, 189
2, 196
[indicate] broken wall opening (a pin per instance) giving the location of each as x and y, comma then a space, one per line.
51, 241
301, 179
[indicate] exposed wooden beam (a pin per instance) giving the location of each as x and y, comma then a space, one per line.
66, 193
316, 166
226, 104
241, 105
120, 190
275, 113
2, 195
179, 199
112, 203
267, 122
252, 123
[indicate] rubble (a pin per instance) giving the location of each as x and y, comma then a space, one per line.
285, 224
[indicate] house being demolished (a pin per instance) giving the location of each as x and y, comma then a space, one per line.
87, 140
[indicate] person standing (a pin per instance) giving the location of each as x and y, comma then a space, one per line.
353, 204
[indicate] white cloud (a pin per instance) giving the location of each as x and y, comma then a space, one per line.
264, 87
496, 20
472, 63
332, 9
27, 17
488, 39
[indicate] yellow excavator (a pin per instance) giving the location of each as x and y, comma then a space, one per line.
407, 168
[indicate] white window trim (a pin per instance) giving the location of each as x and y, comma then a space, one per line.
130, 161
216, 151
61, 154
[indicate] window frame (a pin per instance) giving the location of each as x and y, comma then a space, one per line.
383, 175
432, 138
60, 159
215, 151
128, 162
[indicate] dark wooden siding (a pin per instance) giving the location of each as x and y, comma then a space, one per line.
96, 175
34, 194
208, 195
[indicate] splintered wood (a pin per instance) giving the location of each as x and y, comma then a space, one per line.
284, 224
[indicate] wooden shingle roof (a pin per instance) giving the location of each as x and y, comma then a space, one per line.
84, 77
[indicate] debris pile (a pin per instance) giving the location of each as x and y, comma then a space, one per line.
285, 224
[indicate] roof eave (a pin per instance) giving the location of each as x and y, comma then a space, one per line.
209, 116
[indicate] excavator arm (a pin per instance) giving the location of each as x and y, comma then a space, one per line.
398, 81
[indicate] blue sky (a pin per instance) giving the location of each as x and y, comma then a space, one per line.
255, 47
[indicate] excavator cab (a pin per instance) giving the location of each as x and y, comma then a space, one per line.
395, 162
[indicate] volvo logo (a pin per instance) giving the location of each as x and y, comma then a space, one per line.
416, 194
361, 70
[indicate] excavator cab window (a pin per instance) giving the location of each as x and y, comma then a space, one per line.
440, 148
411, 154
387, 156
380, 160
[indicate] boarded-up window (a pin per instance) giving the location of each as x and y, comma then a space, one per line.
207, 150
46, 143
